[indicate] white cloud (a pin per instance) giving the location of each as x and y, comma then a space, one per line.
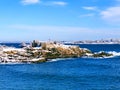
47, 3
60, 3
89, 8
111, 14
55, 3
87, 15
27, 2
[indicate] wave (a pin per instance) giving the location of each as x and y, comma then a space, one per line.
59, 59
114, 53
9, 63
111, 54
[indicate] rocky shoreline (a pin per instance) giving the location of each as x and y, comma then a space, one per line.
44, 51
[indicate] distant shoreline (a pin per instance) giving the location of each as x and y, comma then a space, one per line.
92, 43
3, 43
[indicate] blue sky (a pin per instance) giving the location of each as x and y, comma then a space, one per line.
26, 20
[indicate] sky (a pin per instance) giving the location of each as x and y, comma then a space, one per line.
70, 20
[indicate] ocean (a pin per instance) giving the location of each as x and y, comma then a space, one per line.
65, 74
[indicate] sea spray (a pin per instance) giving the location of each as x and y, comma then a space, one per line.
114, 53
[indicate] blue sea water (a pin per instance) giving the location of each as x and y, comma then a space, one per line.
16, 45
65, 74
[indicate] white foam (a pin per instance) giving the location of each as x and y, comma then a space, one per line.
114, 53
10, 63
59, 59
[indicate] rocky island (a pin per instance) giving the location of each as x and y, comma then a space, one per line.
38, 52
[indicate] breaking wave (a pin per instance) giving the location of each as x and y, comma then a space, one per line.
59, 59
114, 53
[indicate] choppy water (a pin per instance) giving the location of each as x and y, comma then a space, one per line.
70, 74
